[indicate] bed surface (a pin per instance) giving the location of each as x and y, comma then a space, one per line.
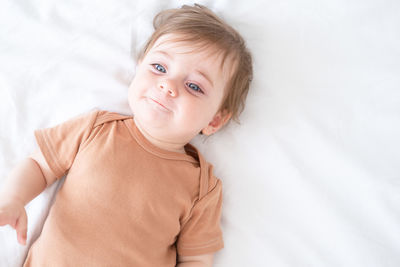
311, 175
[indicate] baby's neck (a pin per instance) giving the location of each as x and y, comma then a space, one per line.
173, 147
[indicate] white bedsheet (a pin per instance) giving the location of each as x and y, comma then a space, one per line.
311, 176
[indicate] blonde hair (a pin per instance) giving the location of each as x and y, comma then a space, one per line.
199, 24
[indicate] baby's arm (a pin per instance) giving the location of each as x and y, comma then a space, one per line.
27, 180
205, 260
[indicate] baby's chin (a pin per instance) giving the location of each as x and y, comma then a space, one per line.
151, 113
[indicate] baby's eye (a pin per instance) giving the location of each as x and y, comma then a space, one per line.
194, 87
159, 68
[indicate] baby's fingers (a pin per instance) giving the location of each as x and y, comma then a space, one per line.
21, 228
7, 218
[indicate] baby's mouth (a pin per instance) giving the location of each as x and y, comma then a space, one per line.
158, 102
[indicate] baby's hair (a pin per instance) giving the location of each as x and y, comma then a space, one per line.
198, 24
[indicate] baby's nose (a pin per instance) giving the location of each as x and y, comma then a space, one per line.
168, 87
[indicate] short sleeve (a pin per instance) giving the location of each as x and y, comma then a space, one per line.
201, 234
60, 144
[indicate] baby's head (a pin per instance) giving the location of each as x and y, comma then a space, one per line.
193, 75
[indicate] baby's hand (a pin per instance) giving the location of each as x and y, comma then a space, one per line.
14, 214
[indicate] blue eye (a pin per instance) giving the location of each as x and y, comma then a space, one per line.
194, 87
159, 68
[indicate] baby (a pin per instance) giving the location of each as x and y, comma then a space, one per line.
136, 192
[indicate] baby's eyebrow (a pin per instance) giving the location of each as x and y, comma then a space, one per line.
207, 77
163, 53
202, 73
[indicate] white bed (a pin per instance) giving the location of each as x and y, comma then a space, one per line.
311, 176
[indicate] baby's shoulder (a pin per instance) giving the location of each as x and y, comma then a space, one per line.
208, 181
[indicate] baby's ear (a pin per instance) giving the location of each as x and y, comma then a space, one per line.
219, 120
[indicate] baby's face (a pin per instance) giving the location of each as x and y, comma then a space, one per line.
176, 91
